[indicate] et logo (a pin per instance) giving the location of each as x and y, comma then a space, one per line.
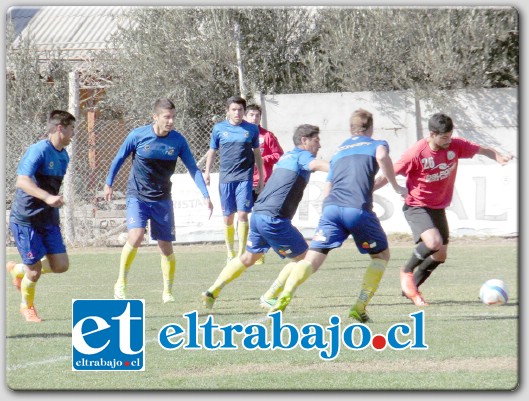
108, 335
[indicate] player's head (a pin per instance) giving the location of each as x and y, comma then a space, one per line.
164, 112
307, 137
163, 104
361, 123
253, 114
441, 127
440, 123
235, 108
59, 117
62, 123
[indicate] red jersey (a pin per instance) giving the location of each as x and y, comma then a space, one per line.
431, 175
271, 151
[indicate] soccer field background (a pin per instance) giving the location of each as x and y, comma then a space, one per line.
471, 346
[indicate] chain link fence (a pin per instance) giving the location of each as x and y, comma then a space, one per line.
96, 142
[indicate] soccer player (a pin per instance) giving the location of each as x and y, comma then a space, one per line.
155, 149
348, 210
430, 166
271, 221
270, 149
34, 217
238, 144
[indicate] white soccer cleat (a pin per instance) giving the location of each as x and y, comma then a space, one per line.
120, 291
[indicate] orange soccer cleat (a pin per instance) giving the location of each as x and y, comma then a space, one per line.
30, 314
17, 280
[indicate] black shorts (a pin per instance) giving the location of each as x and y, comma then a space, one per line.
421, 219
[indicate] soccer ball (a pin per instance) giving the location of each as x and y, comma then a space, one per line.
494, 292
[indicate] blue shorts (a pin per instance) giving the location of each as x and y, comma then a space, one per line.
160, 213
236, 197
336, 223
270, 232
33, 243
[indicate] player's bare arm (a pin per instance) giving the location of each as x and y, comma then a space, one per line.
495, 155
260, 169
319, 165
386, 165
26, 184
210, 158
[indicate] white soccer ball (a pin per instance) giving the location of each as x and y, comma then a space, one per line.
494, 292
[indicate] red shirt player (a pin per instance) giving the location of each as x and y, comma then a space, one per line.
271, 150
430, 167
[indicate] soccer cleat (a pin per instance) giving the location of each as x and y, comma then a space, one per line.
120, 291
407, 284
167, 297
30, 314
359, 314
418, 300
208, 300
17, 280
267, 303
260, 261
281, 304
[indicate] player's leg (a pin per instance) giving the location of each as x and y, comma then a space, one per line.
299, 273
370, 238
428, 265
244, 199
31, 249
256, 247
287, 242
233, 269
428, 240
162, 230
56, 260
328, 235
137, 215
229, 208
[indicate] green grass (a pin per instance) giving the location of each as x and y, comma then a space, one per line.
471, 346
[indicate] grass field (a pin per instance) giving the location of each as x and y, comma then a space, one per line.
471, 346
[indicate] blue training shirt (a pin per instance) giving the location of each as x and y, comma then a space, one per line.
352, 173
284, 190
46, 166
153, 162
235, 144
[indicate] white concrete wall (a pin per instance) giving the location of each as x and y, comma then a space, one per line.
486, 194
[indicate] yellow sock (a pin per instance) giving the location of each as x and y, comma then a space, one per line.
372, 276
279, 283
242, 234
127, 257
231, 271
229, 238
18, 271
45, 269
300, 272
168, 270
27, 289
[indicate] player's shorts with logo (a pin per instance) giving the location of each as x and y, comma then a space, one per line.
277, 233
236, 197
337, 223
160, 213
421, 219
33, 243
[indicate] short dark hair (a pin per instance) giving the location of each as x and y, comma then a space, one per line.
236, 99
59, 117
254, 107
440, 123
361, 120
163, 104
305, 131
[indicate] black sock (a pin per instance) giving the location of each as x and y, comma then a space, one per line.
420, 253
424, 270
